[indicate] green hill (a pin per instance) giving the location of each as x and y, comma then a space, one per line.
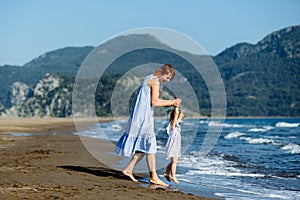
263, 79
260, 79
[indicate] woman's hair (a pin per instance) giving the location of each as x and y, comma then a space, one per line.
165, 69
172, 114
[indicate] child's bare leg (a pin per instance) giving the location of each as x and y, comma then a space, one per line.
168, 169
167, 172
174, 161
129, 169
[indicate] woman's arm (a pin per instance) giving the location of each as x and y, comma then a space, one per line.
155, 100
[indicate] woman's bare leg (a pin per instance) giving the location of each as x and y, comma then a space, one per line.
129, 169
152, 170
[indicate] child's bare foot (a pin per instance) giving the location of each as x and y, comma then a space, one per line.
157, 181
174, 179
130, 175
167, 177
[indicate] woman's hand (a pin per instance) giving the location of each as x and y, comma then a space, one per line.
176, 102
155, 100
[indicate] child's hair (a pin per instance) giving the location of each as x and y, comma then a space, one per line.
172, 114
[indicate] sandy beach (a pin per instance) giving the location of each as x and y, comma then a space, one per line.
47, 161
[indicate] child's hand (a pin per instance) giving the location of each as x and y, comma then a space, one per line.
176, 102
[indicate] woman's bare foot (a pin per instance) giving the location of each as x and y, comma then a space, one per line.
130, 175
174, 179
157, 181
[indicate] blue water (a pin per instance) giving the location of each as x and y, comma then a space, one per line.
253, 158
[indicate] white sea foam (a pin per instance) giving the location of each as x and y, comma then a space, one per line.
218, 171
233, 135
92, 134
277, 137
243, 191
226, 125
160, 151
285, 124
260, 141
203, 122
212, 166
106, 131
224, 173
116, 127
263, 129
189, 123
261, 195
292, 148
111, 126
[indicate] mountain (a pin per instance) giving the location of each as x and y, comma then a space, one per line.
263, 79
260, 79
65, 61
283, 44
51, 96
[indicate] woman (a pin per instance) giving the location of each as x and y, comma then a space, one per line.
139, 138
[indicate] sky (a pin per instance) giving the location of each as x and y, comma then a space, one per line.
30, 28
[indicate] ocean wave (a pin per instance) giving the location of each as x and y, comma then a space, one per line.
116, 127
224, 173
292, 148
288, 125
234, 190
91, 134
266, 194
277, 137
213, 165
263, 129
226, 125
203, 122
233, 135
260, 141
111, 126
105, 131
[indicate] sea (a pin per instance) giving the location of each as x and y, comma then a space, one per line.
250, 158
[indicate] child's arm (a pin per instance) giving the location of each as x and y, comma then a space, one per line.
175, 120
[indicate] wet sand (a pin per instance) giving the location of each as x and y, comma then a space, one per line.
52, 163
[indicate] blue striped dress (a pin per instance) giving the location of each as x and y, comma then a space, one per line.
139, 134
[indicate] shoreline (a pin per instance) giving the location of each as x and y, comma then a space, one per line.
53, 163
38, 125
